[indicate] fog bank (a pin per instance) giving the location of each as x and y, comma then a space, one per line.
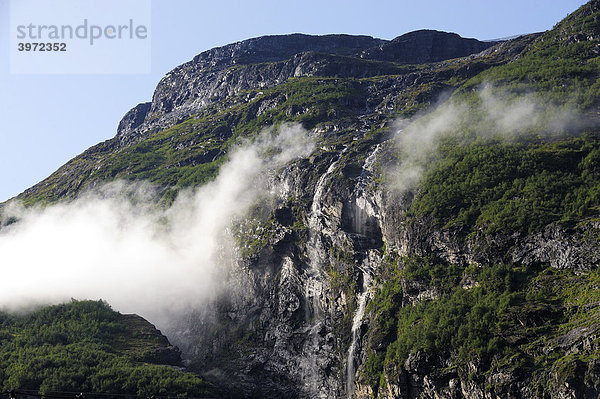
115, 244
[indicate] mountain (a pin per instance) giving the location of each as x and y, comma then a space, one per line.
86, 346
442, 239
259, 87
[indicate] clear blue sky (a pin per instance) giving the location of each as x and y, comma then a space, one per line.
45, 120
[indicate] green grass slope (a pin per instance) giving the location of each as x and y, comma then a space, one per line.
85, 346
532, 322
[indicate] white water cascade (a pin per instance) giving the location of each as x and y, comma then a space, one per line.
356, 324
316, 212
361, 210
316, 224
314, 287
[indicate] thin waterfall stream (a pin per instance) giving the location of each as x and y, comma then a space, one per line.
356, 324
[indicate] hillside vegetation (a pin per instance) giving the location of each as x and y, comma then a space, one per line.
85, 346
481, 279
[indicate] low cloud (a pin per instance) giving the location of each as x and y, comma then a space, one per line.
493, 113
116, 244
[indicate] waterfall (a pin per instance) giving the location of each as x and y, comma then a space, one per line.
315, 247
313, 287
308, 363
316, 212
318, 228
362, 209
361, 301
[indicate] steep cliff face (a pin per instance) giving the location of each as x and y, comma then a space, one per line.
295, 323
425, 46
477, 279
270, 60
233, 99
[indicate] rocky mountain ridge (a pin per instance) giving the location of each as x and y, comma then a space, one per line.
480, 281
270, 60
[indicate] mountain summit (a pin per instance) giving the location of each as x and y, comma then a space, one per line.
438, 236
270, 60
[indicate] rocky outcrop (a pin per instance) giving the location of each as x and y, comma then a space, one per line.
158, 349
266, 61
578, 249
423, 46
133, 119
225, 79
294, 319
290, 315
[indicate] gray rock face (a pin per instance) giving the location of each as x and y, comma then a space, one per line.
561, 249
133, 119
280, 47
287, 324
270, 60
425, 46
